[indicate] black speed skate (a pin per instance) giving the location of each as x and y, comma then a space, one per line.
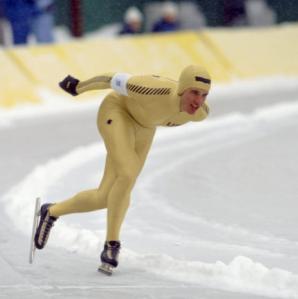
45, 225
109, 257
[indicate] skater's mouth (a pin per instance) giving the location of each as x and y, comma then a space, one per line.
194, 108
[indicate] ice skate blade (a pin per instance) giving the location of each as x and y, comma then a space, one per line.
35, 224
106, 269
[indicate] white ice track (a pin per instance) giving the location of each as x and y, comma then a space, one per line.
180, 225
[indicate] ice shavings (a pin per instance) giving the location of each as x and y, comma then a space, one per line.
241, 275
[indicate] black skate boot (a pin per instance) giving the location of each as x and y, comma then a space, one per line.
45, 224
109, 257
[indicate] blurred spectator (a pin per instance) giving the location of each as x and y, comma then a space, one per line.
19, 14
30, 16
169, 18
191, 16
1, 23
1, 9
43, 21
259, 13
133, 20
234, 13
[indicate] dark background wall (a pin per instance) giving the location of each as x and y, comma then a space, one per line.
97, 13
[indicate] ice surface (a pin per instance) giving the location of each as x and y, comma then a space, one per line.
213, 214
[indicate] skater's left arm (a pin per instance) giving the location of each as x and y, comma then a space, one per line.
75, 87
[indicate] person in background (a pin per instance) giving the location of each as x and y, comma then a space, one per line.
2, 17
43, 21
19, 14
133, 20
169, 19
30, 17
234, 13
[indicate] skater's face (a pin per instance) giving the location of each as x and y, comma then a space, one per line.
192, 99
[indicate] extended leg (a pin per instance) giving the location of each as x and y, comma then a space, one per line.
89, 200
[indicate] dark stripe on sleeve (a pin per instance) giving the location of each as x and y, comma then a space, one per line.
152, 91
134, 88
142, 90
137, 90
162, 91
148, 90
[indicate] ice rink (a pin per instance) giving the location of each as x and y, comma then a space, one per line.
213, 214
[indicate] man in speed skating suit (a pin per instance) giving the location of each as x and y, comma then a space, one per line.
127, 120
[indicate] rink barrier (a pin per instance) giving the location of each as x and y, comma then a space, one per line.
257, 52
240, 53
16, 86
164, 54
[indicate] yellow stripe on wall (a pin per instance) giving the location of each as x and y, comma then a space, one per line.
253, 52
226, 53
16, 87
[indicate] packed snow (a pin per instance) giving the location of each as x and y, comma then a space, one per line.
213, 214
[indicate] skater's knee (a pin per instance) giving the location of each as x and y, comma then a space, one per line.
101, 199
128, 176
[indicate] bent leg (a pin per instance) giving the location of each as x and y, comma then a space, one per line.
128, 145
128, 170
118, 131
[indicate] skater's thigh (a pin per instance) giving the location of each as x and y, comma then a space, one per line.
144, 138
118, 130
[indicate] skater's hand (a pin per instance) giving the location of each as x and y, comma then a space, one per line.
69, 84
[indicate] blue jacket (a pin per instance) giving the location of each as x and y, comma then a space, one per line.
2, 9
162, 26
126, 29
16, 10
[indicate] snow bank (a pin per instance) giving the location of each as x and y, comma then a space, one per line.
240, 275
255, 87
21, 198
52, 105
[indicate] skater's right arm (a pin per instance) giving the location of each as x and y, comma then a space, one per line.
75, 87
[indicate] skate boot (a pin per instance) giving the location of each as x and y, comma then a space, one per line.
109, 257
45, 224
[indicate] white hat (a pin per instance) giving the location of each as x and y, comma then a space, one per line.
133, 14
169, 8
